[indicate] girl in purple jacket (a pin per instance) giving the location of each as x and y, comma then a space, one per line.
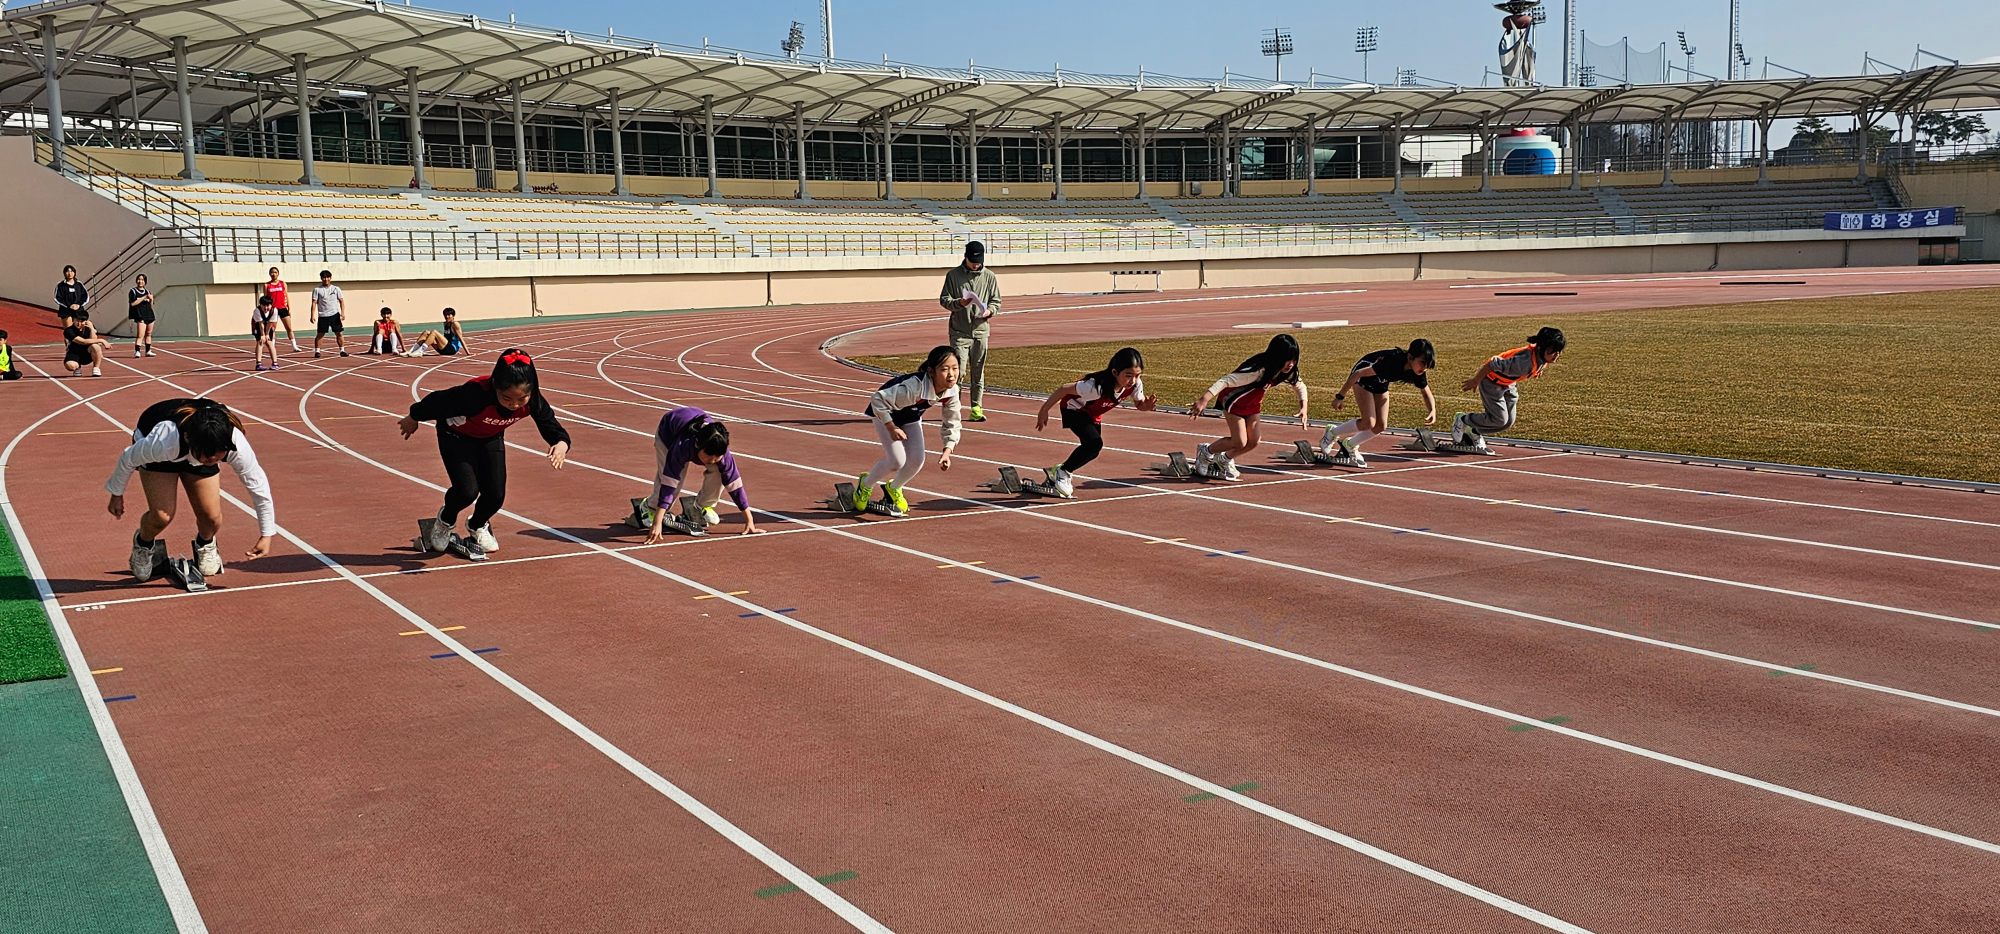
688, 436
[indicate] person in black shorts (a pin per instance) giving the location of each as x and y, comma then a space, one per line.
1372, 375
180, 444
9, 370
472, 420
83, 348
71, 298
140, 302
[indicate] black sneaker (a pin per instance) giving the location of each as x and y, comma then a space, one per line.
343, 353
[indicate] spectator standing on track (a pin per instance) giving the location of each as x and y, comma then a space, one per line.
1496, 382
972, 295
180, 442
9, 367
472, 420
1084, 403
388, 337
281, 298
329, 307
898, 412
1240, 396
82, 347
139, 309
71, 298
264, 329
688, 436
1372, 375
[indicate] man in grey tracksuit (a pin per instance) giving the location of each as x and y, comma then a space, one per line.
970, 324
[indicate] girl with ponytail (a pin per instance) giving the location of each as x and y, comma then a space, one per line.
1084, 403
180, 444
1497, 383
1240, 396
472, 420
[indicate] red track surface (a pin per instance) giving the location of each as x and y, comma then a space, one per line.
992, 714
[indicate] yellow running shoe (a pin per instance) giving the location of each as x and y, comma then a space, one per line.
861, 493
894, 494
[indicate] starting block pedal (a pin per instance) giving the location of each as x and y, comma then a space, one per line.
1427, 440
1303, 452
185, 573
1010, 481
689, 522
461, 546
842, 501
1177, 465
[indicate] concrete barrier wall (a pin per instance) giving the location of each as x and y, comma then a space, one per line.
51, 222
1977, 192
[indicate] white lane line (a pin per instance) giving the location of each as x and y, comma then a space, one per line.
1765, 275
1719, 494
841, 907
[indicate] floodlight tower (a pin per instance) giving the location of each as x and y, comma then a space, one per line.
826, 28
794, 40
1735, 39
1366, 40
1277, 44
1570, 76
1687, 70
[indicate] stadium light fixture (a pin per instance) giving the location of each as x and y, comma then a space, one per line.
1406, 77
794, 40
1687, 70
1366, 40
1276, 45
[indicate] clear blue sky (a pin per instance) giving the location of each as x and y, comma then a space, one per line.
1450, 40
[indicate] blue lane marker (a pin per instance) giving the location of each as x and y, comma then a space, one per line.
1407, 531
121, 697
1218, 554
474, 651
789, 609
1009, 580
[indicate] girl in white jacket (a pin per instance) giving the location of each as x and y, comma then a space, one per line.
897, 410
181, 444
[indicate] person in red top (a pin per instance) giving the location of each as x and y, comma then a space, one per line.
472, 420
283, 301
1496, 381
1084, 403
1240, 396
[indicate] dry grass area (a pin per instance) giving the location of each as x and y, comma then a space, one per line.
1902, 384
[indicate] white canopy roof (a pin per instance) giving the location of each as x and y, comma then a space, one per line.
237, 48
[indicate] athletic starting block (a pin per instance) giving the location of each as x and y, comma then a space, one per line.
842, 501
1178, 466
460, 545
1303, 452
185, 573
1010, 482
1427, 440
689, 522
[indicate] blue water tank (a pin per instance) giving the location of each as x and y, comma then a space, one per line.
1526, 152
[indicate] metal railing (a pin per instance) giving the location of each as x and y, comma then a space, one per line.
102, 177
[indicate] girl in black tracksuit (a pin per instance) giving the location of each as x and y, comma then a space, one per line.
472, 420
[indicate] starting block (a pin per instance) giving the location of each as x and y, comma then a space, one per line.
184, 573
689, 522
1179, 466
461, 546
1010, 482
1427, 440
1303, 452
842, 501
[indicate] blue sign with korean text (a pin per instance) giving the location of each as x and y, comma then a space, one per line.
1916, 219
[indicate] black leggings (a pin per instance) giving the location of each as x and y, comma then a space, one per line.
478, 471
1089, 438
10, 374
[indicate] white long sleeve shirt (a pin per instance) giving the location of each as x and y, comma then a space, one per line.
163, 444
904, 399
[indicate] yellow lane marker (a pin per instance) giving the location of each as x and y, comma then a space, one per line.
970, 564
1500, 502
1348, 519
733, 593
1163, 541
106, 671
419, 632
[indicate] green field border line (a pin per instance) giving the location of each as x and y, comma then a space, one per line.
1694, 460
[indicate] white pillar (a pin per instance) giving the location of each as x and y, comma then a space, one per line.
888, 158
416, 131
1764, 150
708, 131
305, 122
520, 140
972, 147
1312, 158
799, 126
1861, 147
188, 169
1485, 159
1396, 155
1142, 156
1667, 153
1575, 154
1055, 134
1229, 164
617, 148
52, 82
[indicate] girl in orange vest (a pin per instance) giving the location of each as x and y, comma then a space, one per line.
1496, 381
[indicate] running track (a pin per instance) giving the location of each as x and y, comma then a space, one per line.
1528, 693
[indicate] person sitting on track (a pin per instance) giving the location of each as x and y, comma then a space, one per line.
1084, 403
472, 420
1496, 381
687, 435
897, 410
388, 337
264, 330
446, 342
181, 441
10, 369
82, 347
1240, 396
1372, 375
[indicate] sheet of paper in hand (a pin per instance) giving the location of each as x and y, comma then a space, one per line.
978, 307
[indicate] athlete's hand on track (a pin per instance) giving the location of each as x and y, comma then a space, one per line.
944, 460
557, 453
116, 507
408, 426
750, 527
259, 550
656, 536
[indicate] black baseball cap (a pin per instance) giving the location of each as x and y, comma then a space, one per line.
975, 251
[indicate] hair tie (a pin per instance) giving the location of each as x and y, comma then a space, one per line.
517, 357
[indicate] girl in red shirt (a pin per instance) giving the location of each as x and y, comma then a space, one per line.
1240, 396
1084, 403
472, 420
282, 300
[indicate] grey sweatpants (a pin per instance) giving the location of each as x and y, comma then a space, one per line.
1501, 402
971, 349
711, 481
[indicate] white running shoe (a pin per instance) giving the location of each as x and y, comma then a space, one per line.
1202, 457
147, 560
138, 351
296, 348
1059, 478
1229, 471
97, 371
1460, 434
441, 533
149, 351
208, 558
483, 535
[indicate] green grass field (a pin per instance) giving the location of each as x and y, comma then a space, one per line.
28, 649
1897, 384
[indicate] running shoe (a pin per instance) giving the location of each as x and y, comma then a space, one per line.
1202, 457
1460, 434
1229, 471
343, 353
97, 371
147, 559
149, 351
274, 366
978, 415
1327, 439
708, 516
208, 558
441, 533
483, 537
315, 354
138, 351
1060, 479
893, 495
296, 348
1352, 453
861, 493
261, 368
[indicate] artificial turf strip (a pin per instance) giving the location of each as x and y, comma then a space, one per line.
28, 650
1901, 384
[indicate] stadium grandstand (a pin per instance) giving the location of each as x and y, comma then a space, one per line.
432, 158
